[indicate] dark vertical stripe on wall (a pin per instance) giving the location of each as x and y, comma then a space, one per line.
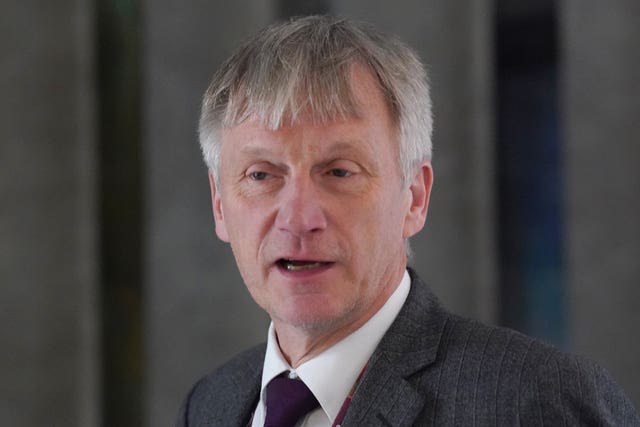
531, 187
118, 51
287, 8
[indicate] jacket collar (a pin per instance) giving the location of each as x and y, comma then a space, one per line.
385, 395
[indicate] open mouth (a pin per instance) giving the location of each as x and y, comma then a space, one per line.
299, 265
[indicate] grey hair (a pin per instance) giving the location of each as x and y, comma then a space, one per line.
303, 66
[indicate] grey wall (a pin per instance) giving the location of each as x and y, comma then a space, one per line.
48, 301
602, 106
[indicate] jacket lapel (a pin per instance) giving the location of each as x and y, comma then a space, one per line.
386, 397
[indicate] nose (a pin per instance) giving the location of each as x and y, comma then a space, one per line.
300, 209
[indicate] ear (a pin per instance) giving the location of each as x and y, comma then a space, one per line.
218, 215
419, 193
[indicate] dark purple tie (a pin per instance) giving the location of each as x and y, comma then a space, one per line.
287, 401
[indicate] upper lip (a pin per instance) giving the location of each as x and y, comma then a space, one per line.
301, 259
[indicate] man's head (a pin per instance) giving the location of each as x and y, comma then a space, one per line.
302, 67
312, 132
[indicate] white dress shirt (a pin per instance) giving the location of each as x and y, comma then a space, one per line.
331, 374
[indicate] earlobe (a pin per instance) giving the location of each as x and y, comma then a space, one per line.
218, 214
419, 192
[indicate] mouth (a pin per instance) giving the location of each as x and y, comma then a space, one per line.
300, 265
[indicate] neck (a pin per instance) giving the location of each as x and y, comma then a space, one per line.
299, 346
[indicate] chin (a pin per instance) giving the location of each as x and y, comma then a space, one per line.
313, 325
316, 318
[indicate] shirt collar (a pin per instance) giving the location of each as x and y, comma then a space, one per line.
345, 360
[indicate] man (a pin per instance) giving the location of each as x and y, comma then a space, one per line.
317, 136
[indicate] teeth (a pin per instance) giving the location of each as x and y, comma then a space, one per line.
301, 265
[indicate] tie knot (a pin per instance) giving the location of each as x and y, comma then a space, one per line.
287, 401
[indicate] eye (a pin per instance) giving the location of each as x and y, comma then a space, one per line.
258, 175
340, 173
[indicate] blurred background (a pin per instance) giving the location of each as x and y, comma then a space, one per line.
115, 295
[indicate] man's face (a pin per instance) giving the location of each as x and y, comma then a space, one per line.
317, 215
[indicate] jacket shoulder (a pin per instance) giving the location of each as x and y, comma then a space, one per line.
509, 377
248, 362
227, 393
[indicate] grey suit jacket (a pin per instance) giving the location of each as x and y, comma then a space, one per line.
435, 368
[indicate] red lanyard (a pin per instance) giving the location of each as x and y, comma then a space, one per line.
347, 401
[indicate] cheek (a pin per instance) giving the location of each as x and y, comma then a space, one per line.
249, 232
385, 215
384, 229
241, 220
369, 235
242, 239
